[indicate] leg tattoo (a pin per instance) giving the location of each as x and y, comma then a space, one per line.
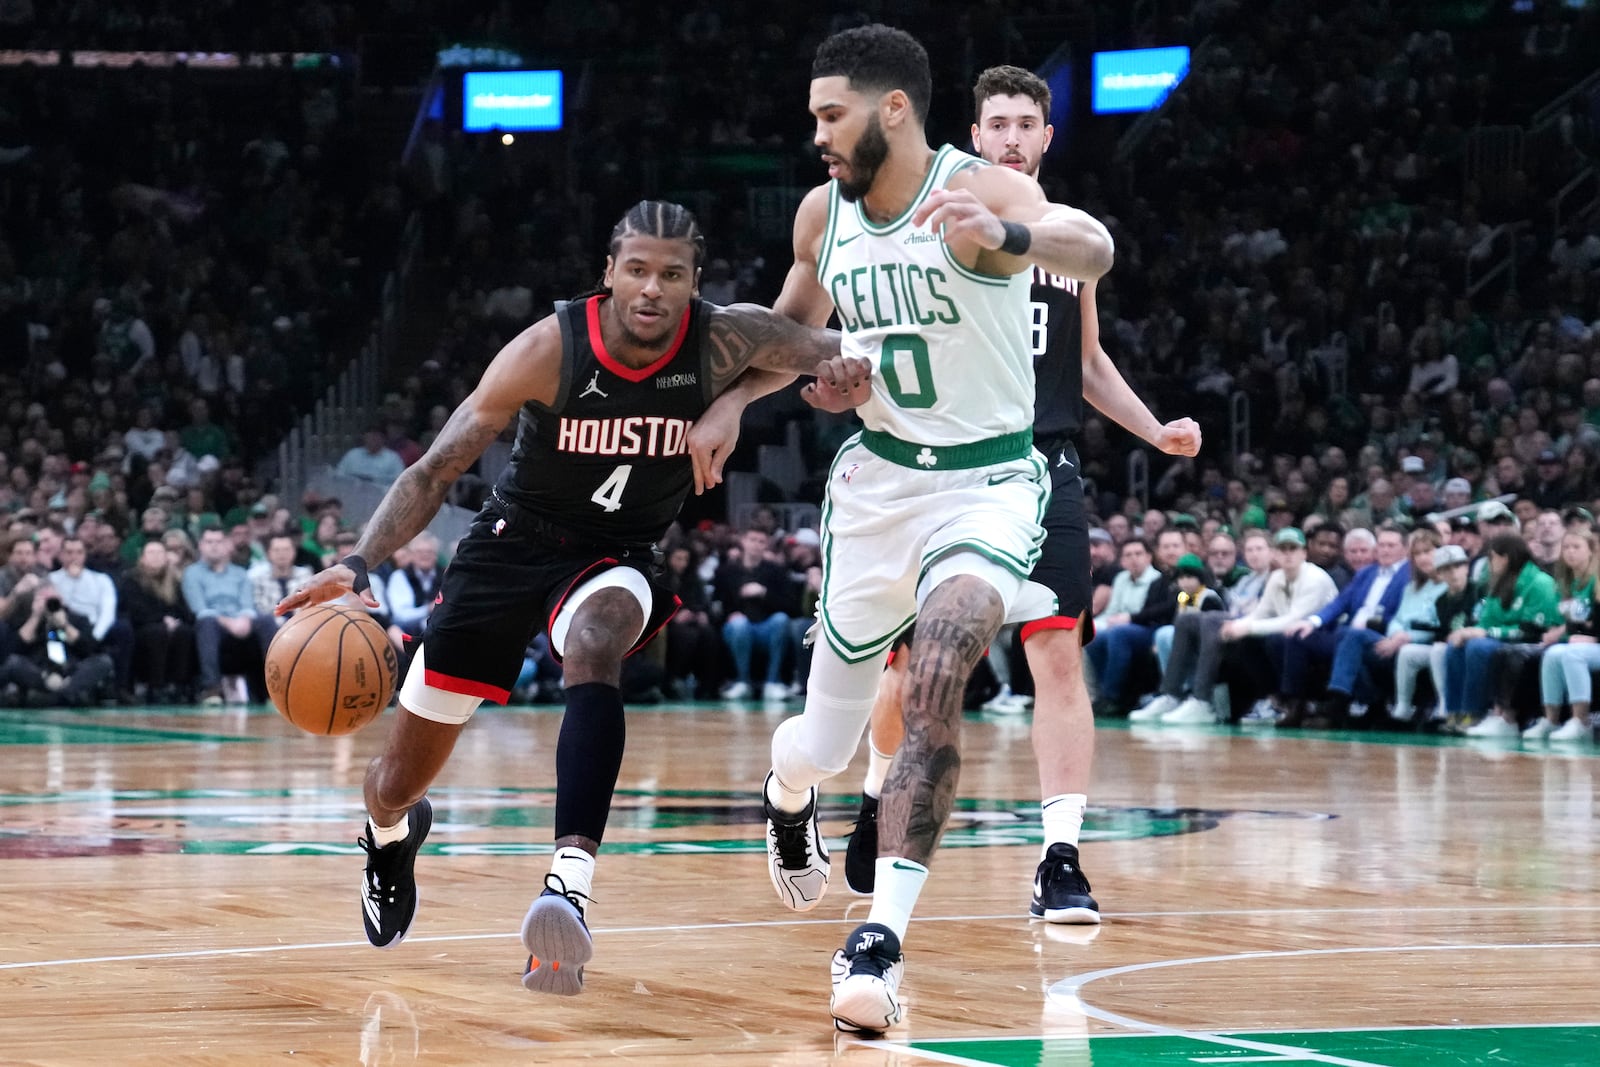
955, 625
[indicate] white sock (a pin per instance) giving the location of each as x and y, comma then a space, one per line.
894, 894
785, 799
575, 868
1063, 819
877, 769
388, 835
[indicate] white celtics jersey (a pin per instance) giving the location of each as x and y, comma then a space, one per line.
949, 346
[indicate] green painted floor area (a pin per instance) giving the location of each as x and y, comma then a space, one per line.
1529, 1046
57, 726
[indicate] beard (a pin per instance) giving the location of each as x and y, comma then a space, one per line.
871, 151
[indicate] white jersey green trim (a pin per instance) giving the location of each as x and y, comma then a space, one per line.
949, 346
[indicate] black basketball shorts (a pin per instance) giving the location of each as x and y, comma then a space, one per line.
506, 585
1063, 565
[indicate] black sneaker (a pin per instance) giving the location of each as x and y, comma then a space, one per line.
797, 857
866, 980
1060, 891
557, 939
389, 890
861, 851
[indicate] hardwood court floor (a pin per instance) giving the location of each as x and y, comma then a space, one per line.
181, 887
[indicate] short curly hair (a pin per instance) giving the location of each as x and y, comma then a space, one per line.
878, 58
1007, 80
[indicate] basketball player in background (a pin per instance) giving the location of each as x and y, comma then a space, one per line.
605, 391
1012, 130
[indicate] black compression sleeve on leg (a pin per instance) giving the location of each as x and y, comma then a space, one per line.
588, 759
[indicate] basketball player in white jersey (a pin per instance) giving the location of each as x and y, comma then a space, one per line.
1012, 130
933, 511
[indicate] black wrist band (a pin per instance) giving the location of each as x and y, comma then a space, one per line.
362, 582
1018, 238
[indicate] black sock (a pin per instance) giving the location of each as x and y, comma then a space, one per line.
588, 759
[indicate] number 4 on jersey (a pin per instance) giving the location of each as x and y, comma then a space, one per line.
609, 495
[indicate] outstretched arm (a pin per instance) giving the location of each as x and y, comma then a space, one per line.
1004, 219
1109, 392
528, 368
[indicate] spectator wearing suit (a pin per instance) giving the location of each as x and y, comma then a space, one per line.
1357, 615
1364, 653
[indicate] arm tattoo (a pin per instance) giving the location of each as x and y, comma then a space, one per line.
414, 499
956, 624
744, 334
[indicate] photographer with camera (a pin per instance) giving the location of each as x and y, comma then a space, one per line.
57, 661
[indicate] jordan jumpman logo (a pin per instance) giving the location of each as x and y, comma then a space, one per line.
593, 388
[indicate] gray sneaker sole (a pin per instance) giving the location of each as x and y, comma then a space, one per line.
560, 945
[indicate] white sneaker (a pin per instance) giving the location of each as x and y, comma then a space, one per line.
797, 857
866, 979
1193, 711
1492, 726
1153, 711
999, 701
1573, 729
736, 691
1402, 713
1261, 713
774, 692
1541, 729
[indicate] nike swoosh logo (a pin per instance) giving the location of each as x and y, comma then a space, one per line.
1001, 479
897, 865
841, 242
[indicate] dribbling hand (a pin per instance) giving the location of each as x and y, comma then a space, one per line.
842, 383
331, 584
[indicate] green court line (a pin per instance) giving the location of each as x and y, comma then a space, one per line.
1491, 1046
58, 728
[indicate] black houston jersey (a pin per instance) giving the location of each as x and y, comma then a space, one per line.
610, 458
1057, 343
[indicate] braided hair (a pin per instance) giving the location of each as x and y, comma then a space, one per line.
653, 218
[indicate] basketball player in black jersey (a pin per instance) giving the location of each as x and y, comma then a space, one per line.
605, 391
1011, 130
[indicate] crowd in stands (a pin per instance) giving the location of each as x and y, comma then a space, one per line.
1298, 224
1481, 622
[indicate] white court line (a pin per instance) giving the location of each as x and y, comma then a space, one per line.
1067, 992
445, 938
777, 923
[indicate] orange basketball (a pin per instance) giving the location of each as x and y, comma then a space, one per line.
331, 669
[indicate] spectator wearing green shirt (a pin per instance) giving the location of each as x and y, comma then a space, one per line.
1521, 605
152, 524
202, 437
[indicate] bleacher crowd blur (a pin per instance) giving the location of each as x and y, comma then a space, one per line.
1368, 270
